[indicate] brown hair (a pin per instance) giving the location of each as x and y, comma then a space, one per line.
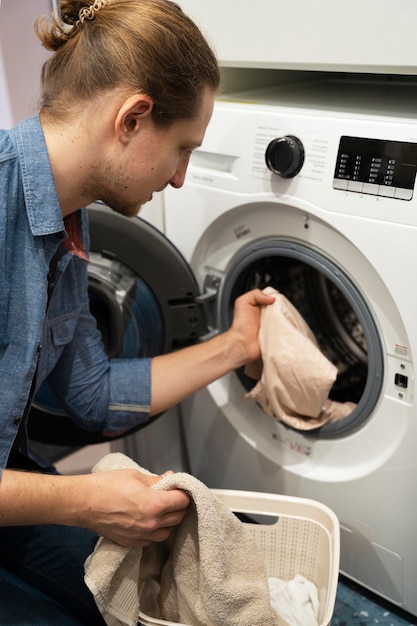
147, 46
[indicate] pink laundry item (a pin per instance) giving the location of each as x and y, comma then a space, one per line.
296, 377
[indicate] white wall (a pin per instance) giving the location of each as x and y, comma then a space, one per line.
5, 112
21, 58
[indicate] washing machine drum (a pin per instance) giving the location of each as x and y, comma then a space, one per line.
332, 306
143, 296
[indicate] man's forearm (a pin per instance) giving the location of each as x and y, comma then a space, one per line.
30, 498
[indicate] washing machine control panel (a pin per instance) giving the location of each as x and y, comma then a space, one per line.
376, 167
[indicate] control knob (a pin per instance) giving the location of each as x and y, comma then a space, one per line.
285, 156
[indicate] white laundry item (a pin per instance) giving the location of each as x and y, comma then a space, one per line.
296, 600
208, 573
295, 379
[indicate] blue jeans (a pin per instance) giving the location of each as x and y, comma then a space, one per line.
42, 569
42, 577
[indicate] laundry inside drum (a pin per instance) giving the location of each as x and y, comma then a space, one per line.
329, 313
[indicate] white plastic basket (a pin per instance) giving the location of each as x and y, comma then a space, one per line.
301, 538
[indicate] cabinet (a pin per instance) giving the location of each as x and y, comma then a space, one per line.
371, 36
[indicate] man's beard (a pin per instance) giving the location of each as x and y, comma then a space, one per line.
127, 210
98, 187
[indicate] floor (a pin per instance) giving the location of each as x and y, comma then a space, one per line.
356, 606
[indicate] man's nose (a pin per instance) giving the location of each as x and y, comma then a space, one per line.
178, 179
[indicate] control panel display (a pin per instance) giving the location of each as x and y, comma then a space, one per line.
376, 167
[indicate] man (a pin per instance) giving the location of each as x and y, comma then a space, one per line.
127, 96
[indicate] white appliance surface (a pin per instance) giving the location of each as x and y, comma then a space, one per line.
230, 216
350, 36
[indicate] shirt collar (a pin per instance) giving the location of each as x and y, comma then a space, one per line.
41, 200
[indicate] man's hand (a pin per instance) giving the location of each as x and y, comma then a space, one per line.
124, 507
246, 320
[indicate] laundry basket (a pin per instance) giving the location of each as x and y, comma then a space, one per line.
295, 536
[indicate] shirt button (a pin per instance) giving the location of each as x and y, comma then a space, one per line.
40, 346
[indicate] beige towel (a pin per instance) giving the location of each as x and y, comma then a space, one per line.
296, 377
209, 573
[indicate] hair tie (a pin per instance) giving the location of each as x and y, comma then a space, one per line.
88, 13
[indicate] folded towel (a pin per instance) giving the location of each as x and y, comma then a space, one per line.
208, 573
296, 377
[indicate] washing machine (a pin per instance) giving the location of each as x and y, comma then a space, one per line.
311, 189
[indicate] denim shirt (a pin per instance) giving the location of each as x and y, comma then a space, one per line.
59, 340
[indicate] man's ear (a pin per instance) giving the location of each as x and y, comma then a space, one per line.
131, 114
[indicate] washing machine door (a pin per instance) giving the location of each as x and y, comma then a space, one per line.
142, 291
336, 312
145, 299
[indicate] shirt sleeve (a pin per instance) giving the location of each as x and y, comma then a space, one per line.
100, 394
111, 396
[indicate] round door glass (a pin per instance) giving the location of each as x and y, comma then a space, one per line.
333, 308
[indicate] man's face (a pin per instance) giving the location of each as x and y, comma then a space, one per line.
154, 158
